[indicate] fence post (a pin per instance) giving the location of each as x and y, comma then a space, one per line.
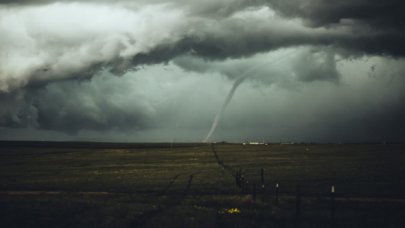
277, 194
332, 205
262, 183
262, 177
241, 180
237, 179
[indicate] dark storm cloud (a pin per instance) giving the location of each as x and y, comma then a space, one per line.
330, 12
381, 21
42, 44
49, 54
370, 26
346, 28
315, 12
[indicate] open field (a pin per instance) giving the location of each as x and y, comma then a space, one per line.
194, 185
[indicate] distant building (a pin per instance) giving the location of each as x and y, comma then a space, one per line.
254, 143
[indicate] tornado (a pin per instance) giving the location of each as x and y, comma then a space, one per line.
236, 84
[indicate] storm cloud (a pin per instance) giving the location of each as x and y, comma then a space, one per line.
134, 66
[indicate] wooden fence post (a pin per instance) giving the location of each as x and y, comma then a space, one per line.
277, 186
237, 179
332, 205
262, 184
262, 177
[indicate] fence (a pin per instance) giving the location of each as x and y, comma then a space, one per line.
272, 191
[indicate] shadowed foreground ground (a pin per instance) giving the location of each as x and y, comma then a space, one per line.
193, 185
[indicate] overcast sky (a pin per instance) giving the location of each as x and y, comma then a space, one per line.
155, 70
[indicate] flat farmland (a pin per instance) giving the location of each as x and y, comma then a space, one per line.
45, 184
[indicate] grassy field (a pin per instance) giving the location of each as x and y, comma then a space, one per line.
193, 185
